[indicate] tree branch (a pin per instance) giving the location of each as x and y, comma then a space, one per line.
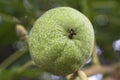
101, 69
13, 57
95, 69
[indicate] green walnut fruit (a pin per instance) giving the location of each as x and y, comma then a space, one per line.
61, 41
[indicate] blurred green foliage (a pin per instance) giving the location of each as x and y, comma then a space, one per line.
104, 15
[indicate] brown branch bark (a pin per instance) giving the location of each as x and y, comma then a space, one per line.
95, 69
99, 69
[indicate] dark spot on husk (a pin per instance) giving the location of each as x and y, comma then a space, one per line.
72, 33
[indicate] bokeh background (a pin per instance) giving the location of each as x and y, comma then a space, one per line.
103, 14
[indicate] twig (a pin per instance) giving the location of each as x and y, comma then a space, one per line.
95, 69
78, 75
72, 76
82, 75
95, 60
22, 68
21, 32
100, 69
25, 66
13, 57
